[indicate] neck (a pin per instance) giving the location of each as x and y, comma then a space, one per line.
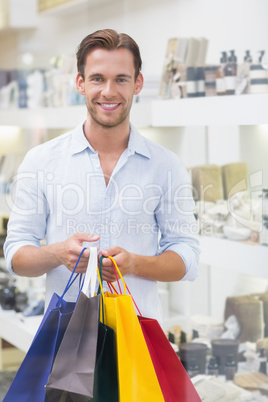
107, 139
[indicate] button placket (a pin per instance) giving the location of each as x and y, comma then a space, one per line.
105, 217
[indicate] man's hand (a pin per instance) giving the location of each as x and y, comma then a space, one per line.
70, 249
32, 261
123, 259
165, 267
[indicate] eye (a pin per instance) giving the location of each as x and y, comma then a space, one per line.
122, 80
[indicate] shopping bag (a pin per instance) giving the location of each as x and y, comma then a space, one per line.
174, 381
74, 365
106, 379
29, 382
136, 374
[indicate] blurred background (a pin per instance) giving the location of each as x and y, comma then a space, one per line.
205, 97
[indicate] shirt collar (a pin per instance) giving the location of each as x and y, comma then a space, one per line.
79, 141
136, 143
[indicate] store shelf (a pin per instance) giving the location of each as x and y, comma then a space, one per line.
72, 6
43, 117
10, 16
209, 111
244, 257
64, 117
19, 331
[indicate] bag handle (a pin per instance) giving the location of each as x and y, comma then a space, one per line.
71, 279
100, 290
90, 278
116, 269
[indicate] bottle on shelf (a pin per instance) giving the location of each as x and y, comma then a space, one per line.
263, 361
258, 76
230, 367
191, 82
193, 368
230, 73
243, 74
220, 81
213, 367
200, 81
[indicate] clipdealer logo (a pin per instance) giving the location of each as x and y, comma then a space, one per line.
131, 226
69, 199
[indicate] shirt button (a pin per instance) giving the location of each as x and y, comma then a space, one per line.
97, 165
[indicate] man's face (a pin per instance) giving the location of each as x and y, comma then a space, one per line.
109, 85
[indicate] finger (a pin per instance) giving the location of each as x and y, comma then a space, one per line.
108, 275
93, 238
84, 258
109, 278
81, 237
106, 262
111, 251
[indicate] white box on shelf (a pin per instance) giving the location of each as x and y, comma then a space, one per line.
18, 14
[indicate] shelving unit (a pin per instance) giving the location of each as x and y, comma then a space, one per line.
64, 117
18, 330
209, 111
244, 257
10, 16
72, 6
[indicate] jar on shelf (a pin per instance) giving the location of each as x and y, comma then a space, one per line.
230, 367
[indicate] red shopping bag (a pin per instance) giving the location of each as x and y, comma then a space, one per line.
173, 379
175, 383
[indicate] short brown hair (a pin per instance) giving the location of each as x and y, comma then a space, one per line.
107, 39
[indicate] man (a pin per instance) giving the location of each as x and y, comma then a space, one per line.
103, 182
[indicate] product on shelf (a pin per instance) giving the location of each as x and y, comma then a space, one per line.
193, 350
207, 182
35, 88
182, 53
248, 311
258, 76
185, 73
223, 347
210, 80
220, 81
230, 73
252, 381
234, 178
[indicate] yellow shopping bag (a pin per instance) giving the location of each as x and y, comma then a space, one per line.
137, 378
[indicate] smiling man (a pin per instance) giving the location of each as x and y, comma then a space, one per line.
103, 182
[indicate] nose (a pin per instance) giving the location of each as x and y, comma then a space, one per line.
108, 88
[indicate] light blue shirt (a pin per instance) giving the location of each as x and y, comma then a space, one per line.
147, 207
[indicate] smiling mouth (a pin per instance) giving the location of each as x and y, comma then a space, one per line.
109, 105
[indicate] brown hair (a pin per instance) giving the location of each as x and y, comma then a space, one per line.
110, 40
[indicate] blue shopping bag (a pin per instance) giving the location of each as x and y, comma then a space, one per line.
73, 369
32, 375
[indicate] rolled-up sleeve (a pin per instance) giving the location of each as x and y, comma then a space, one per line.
175, 217
27, 222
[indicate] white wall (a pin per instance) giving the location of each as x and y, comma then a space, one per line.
229, 24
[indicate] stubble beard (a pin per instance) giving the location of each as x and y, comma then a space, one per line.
106, 124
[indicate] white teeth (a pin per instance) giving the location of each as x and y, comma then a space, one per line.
109, 104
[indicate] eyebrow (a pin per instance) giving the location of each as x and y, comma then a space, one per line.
96, 75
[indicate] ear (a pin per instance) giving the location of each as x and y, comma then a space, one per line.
138, 84
80, 84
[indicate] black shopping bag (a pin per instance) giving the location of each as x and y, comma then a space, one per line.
106, 377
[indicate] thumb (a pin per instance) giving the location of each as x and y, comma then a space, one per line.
81, 237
